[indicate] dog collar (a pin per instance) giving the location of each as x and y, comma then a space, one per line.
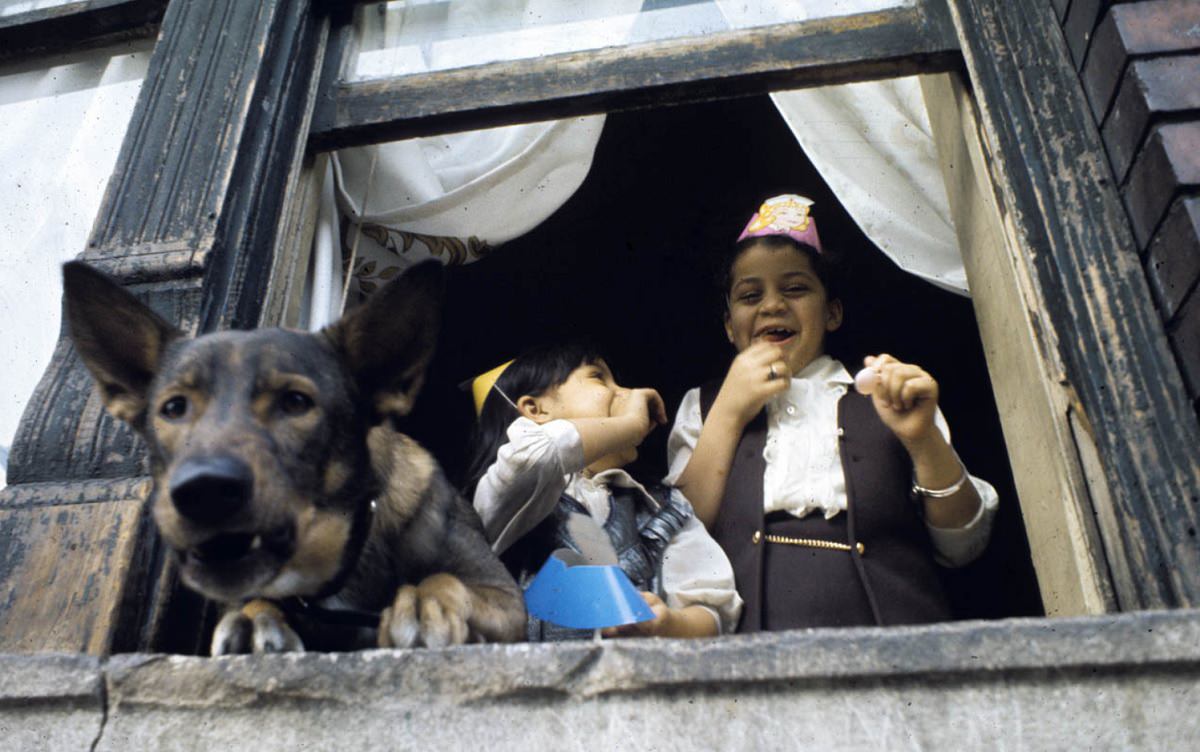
359, 530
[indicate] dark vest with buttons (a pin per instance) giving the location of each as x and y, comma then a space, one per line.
639, 532
894, 580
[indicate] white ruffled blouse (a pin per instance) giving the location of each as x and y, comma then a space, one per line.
804, 468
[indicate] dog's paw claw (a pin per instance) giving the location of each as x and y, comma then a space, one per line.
434, 614
441, 625
273, 635
398, 625
233, 635
258, 627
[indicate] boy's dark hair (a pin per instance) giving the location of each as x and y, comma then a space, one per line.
826, 264
534, 372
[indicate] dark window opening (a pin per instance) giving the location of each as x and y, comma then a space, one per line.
627, 262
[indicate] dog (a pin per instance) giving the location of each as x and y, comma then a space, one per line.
280, 480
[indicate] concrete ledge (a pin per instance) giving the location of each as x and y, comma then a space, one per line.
1120, 682
50, 701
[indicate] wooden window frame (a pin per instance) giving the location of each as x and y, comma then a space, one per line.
1064, 492
744, 62
73, 25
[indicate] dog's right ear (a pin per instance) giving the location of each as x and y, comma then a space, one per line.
120, 340
389, 340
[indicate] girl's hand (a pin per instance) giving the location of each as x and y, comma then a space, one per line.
757, 374
643, 405
652, 628
905, 398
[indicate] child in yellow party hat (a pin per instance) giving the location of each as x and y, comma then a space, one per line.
555, 430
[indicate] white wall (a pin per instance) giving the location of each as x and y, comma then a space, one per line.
62, 120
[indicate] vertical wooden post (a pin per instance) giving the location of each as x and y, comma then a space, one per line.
1056, 505
1057, 194
189, 223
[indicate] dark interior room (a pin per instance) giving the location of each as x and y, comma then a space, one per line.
628, 263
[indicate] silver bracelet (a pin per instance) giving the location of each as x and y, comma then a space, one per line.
941, 493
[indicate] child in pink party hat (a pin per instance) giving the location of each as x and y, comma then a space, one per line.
832, 505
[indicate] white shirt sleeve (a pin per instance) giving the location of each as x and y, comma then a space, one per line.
527, 478
696, 572
684, 435
956, 547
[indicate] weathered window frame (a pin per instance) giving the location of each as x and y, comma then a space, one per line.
1052, 484
1072, 286
76, 24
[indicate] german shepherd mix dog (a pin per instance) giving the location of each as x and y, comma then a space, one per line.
280, 481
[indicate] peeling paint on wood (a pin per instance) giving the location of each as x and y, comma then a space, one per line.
752, 61
189, 222
62, 573
1057, 191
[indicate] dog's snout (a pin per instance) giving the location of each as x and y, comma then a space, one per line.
210, 489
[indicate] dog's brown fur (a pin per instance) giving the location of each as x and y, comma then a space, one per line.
267, 449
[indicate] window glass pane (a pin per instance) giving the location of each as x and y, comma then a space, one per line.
62, 120
415, 36
13, 7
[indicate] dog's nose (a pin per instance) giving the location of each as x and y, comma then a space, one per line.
210, 489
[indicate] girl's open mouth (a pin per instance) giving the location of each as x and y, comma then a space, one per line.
775, 334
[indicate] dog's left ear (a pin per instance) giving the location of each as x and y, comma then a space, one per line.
119, 339
389, 340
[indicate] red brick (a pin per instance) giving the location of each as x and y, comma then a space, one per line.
1173, 259
1060, 9
1131, 30
1150, 90
1184, 336
1078, 27
1168, 164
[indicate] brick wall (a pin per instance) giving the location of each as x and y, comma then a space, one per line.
1139, 63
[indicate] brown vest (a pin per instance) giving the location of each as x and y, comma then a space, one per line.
894, 580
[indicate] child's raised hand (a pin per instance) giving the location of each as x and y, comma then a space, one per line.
756, 375
643, 404
905, 397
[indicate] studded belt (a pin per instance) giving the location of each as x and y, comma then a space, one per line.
758, 537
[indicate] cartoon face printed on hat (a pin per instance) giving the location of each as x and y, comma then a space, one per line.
784, 215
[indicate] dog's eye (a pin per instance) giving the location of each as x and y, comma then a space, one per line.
174, 408
295, 403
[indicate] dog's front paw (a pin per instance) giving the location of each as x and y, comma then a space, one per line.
257, 627
435, 614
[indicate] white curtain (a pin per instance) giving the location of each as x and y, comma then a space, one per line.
873, 145
456, 197
62, 120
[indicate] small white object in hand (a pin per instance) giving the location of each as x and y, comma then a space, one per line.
866, 380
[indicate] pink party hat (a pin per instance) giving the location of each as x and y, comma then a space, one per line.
784, 215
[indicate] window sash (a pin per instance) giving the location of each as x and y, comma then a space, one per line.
76, 24
884, 44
